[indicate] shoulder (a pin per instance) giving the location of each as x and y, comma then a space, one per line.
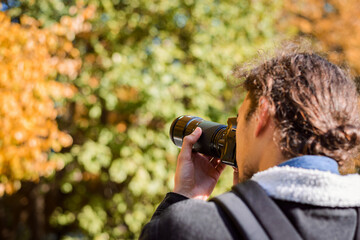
193, 219
190, 207
192, 214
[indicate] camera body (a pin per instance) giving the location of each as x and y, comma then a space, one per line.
217, 140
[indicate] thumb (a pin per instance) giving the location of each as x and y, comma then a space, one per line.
189, 141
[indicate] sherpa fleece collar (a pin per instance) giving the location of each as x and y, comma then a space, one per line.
310, 186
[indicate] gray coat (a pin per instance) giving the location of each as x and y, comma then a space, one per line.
320, 205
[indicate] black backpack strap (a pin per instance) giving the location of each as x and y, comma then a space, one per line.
357, 230
269, 215
244, 221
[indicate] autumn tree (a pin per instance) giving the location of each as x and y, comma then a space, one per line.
333, 23
31, 58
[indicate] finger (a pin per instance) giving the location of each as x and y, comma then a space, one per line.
188, 143
220, 167
236, 176
209, 158
191, 139
214, 162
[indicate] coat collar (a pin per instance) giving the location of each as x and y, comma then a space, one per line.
321, 163
310, 186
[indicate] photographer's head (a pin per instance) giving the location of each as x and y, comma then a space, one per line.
297, 104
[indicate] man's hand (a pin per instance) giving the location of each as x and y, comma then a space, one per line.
236, 179
196, 174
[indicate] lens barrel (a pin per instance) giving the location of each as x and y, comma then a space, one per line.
211, 141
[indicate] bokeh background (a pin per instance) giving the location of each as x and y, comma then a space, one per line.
88, 90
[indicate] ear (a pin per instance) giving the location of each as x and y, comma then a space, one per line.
263, 116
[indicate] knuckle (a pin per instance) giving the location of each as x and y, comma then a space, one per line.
187, 139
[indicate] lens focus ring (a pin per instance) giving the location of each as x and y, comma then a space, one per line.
182, 126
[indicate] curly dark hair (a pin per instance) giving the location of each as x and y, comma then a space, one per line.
314, 104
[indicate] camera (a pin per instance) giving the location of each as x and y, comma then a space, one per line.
217, 140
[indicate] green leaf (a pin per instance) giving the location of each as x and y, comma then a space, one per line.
92, 220
93, 156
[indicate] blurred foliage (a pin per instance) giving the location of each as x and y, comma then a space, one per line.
333, 24
31, 59
143, 64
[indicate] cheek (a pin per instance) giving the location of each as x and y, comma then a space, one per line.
239, 141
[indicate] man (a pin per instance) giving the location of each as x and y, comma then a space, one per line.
298, 124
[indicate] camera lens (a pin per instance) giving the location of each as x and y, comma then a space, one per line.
210, 141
